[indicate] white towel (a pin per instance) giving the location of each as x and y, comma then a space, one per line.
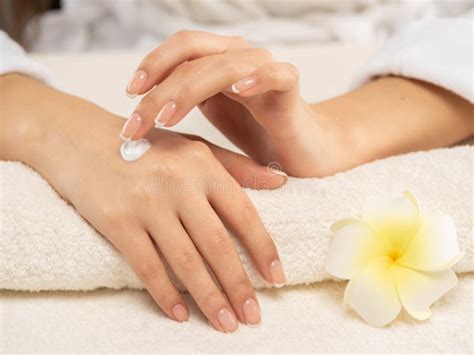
46, 245
295, 320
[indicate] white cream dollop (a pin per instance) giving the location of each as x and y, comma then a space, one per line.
133, 150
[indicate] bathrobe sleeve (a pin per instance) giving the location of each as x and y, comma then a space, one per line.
14, 59
437, 51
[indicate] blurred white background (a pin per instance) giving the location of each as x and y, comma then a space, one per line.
85, 25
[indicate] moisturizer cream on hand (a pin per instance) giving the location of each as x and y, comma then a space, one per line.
133, 150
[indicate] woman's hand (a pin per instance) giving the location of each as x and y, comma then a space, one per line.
251, 98
177, 199
255, 102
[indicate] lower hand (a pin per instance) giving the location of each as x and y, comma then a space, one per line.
177, 199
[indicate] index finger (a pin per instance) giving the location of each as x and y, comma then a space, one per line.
181, 47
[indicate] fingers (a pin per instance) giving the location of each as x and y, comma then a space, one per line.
189, 85
238, 213
145, 261
246, 171
268, 77
182, 256
217, 247
181, 47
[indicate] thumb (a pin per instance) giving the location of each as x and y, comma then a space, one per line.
247, 172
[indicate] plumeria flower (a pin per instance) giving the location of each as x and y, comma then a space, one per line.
394, 256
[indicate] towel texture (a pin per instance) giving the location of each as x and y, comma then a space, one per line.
46, 245
300, 319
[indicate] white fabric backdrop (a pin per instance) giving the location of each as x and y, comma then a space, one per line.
127, 24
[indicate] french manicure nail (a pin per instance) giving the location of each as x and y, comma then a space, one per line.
180, 313
243, 84
131, 127
280, 173
227, 320
165, 114
251, 313
276, 271
136, 83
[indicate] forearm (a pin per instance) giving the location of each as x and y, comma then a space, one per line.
53, 132
37, 120
394, 115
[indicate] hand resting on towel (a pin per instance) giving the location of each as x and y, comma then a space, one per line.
178, 196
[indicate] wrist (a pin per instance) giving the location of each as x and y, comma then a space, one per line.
17, 122
346, 146
395, 115
42, 125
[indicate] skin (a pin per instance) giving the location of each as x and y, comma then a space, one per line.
141, 208
273, 124
159, 202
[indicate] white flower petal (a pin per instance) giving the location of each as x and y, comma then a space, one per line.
419, 290
395, 218
354, 245
435, 246
372, 293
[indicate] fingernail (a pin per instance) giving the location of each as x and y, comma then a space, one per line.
243, 84
227, 320
278, 277
180, 313
279, 173
165, 114
251, 313
131, 127
136, 83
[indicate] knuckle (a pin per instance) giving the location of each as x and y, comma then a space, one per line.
293, 72
197, 150
242, 283
248, 211
240, 41
231, 67
149, 271
200, 148
187, 260
115, 216
212, 300
185, 68
171, 168
264, 53
187, 93
272, 73
185, 36
223, 242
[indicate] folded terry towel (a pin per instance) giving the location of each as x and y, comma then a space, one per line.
46, 245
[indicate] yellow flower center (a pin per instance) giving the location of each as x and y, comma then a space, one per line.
394, 253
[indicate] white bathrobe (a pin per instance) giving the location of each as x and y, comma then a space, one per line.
437, 51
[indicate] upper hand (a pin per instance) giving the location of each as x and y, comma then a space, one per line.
191, 67
251, 98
